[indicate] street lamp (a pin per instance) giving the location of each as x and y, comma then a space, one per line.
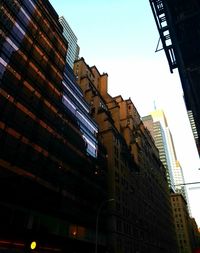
97, 219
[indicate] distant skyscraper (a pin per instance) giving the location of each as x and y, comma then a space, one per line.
158, 127
73, 48
179, 180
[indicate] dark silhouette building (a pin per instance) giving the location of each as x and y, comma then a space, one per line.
52, 167
178, 23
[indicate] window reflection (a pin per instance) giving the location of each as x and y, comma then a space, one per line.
74, 101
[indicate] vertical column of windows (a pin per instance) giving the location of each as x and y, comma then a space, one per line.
88, 129
74, 101
89, 133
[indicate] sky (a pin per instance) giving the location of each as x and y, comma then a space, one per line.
120, 37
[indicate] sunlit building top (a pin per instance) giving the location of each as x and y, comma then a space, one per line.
73, 48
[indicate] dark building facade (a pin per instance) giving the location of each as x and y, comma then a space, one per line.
178, 23
52, 168
182, 222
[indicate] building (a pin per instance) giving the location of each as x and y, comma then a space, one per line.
194, 129
151, 171
195, 235
73, 48
75, 103
140, 217
52, 167
182, 223
157, 124
157, 132
178, 27
179, 181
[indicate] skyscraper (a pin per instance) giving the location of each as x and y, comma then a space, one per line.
73, 48
179, 180
50, 173
156, 123
158, 127
194, 129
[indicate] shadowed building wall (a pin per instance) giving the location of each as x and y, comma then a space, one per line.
47, 166
182, 223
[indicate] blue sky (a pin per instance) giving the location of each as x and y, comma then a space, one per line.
104, 22
114, 34
120, 38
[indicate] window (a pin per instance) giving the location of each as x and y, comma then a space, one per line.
116, 151
118, 225
118, 206
116, 163
117, 177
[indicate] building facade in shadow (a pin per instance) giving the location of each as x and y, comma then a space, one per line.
52, 167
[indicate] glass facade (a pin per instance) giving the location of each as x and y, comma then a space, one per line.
73, 48
48, 142
31, 95
75, 103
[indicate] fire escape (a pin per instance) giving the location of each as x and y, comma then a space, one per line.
159, 11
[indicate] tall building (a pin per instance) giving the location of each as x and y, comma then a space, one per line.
79, 109
178, 27
140, 217
159, 116
194, 129
179, 181
158, 127
52, 168
195, 236
73, 48
182, 223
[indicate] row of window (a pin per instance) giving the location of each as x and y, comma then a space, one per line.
124, 227
32, 72
42, 133
74, 101
30, 8
24, 30
35, 77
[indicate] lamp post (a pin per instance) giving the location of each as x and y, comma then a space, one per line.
97, 220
